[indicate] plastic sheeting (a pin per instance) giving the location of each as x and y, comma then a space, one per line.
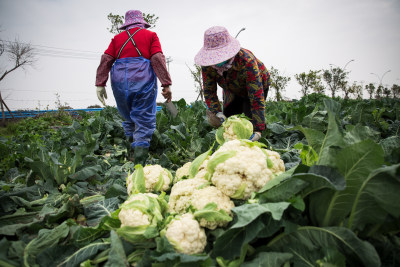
134, 85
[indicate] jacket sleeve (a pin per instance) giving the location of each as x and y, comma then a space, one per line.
160, 68
155, 46
255, 92
210, 89
103, 70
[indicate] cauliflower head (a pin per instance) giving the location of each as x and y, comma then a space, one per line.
152, 178
239, 168
235, 127
276, 164
141, 209
182, 172
181, 193
186, 235
212, 216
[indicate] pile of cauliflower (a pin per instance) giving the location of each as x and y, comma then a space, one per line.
200, 195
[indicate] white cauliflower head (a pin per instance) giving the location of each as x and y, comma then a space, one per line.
151, 178
235, 127
239, 168
209, 217
182, 172
186, 235
278, 166
140, 209
181, 193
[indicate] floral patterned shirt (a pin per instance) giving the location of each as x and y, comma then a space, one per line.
247, 78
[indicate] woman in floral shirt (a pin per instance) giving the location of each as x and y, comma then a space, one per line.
244, 79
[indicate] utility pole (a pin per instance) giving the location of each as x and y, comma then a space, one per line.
168, 60
242, 29
380, 78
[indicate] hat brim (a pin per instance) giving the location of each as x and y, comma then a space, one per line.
123, 26
209, 57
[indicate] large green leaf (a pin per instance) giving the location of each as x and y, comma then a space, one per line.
46, 238
329, 207
269, 259
334, 133
308, 242
314, 137
282, 191
117, 256
229, 245
319, 177
83, 254
4, 257
376, 198
249, 212
95, 211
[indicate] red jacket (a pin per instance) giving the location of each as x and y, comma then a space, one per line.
146, 41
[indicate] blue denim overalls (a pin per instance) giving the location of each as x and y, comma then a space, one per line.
134, 85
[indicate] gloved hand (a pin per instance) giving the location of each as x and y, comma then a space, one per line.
221, 116
255, 136
101, 94
166, 93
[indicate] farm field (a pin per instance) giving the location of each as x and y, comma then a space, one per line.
63, 182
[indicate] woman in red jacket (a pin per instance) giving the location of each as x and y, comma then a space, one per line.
135, 59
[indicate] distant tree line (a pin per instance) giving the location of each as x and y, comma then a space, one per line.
333, 80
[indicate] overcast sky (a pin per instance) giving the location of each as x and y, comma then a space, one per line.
293, 36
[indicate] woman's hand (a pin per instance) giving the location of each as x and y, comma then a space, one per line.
166, 93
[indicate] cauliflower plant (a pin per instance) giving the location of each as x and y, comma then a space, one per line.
212, 207
235, 127
141, 209
186, 235
182, 172
181, 193
152, 178
278, 166
240, 167
141, 216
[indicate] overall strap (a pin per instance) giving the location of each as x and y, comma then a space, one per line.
133, 42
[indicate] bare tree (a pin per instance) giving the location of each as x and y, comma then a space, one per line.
20, 55
198, 80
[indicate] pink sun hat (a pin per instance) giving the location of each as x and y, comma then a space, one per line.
219, 46
134, 17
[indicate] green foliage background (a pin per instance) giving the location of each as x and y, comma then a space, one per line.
62, 180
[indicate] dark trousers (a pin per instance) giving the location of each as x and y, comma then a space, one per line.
239, 105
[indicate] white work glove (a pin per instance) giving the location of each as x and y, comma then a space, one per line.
255, 136
101, 94
221, 116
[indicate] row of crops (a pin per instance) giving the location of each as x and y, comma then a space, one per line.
336, 204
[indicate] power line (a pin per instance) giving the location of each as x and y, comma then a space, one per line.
50, 51
76, 50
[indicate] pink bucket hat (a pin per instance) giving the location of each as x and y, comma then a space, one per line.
219, 46
133, 17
